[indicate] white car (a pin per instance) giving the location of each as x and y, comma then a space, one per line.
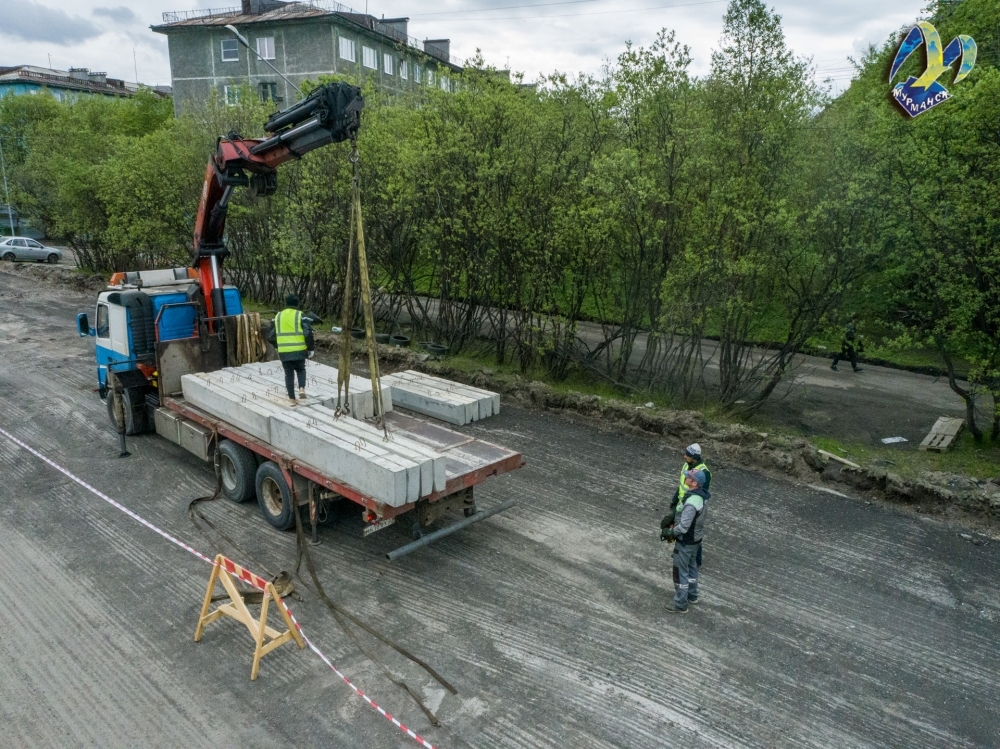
21, 248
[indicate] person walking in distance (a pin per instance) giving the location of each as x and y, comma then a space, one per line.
848, 344
687, 534
293, 337
692, 462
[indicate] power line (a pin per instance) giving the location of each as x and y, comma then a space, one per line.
595, 13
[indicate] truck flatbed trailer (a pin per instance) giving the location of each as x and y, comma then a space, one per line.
469, 461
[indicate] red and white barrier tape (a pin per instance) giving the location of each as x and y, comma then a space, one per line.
247, 577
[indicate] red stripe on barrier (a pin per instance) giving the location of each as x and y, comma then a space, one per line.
230, 567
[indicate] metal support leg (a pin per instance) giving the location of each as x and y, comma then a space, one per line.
117, 394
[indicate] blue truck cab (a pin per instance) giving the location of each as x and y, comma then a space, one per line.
135, 318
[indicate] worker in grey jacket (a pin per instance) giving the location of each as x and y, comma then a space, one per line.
687, 533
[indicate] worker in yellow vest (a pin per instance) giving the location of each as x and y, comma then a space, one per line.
293, 337
692, 462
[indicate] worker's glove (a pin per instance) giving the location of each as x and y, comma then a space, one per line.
312, 354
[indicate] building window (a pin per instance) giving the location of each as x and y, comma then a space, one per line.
265, 47
445, 83
269, 92
230, 50
404, 72
430, 78
417, 72
387, 64
232, 96
368, 59
347, 49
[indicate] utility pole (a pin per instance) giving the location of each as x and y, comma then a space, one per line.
136, 65
3, 167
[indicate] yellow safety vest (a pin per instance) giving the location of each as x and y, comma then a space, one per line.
288, 331
681, 489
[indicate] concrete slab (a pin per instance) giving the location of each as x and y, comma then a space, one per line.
250, 400
321, 382
433, 464
382, 479
233, 406
489, 402
452, 408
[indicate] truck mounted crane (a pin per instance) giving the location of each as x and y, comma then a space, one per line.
144, 310
155, 327
330, 114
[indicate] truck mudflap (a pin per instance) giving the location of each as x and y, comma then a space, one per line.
430, 538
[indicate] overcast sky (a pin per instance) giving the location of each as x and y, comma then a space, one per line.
533, 36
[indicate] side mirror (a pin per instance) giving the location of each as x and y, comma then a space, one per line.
83, 325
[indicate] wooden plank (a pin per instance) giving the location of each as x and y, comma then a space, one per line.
943, 434
839, 459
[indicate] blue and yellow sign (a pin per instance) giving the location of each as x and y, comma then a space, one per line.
919, 95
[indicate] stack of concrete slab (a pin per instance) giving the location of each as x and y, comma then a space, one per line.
443, 399
396, 470
321, 383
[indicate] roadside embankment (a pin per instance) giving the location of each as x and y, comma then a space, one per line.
932, 492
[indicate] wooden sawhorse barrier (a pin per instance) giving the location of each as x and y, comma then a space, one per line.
237, 609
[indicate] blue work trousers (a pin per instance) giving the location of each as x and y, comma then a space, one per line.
685, 573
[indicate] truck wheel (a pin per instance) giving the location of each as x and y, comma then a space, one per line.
274, 496
238, 470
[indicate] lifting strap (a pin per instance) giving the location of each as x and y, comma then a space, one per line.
347, 315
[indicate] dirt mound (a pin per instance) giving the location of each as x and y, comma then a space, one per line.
795, 457
56, 275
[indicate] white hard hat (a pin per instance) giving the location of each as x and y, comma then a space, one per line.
693, 449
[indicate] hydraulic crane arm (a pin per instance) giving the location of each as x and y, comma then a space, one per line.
330, 114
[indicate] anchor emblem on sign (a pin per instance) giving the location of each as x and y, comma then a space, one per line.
919, 95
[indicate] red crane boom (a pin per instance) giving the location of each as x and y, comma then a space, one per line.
330, 114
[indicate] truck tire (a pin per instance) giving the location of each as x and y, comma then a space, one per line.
274, 496
239, 471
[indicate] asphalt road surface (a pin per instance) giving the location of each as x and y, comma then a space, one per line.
825, 622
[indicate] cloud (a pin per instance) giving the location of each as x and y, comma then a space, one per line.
121, 14
33, 22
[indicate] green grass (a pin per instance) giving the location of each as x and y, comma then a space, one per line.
577, 381
249, 305
981, 461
